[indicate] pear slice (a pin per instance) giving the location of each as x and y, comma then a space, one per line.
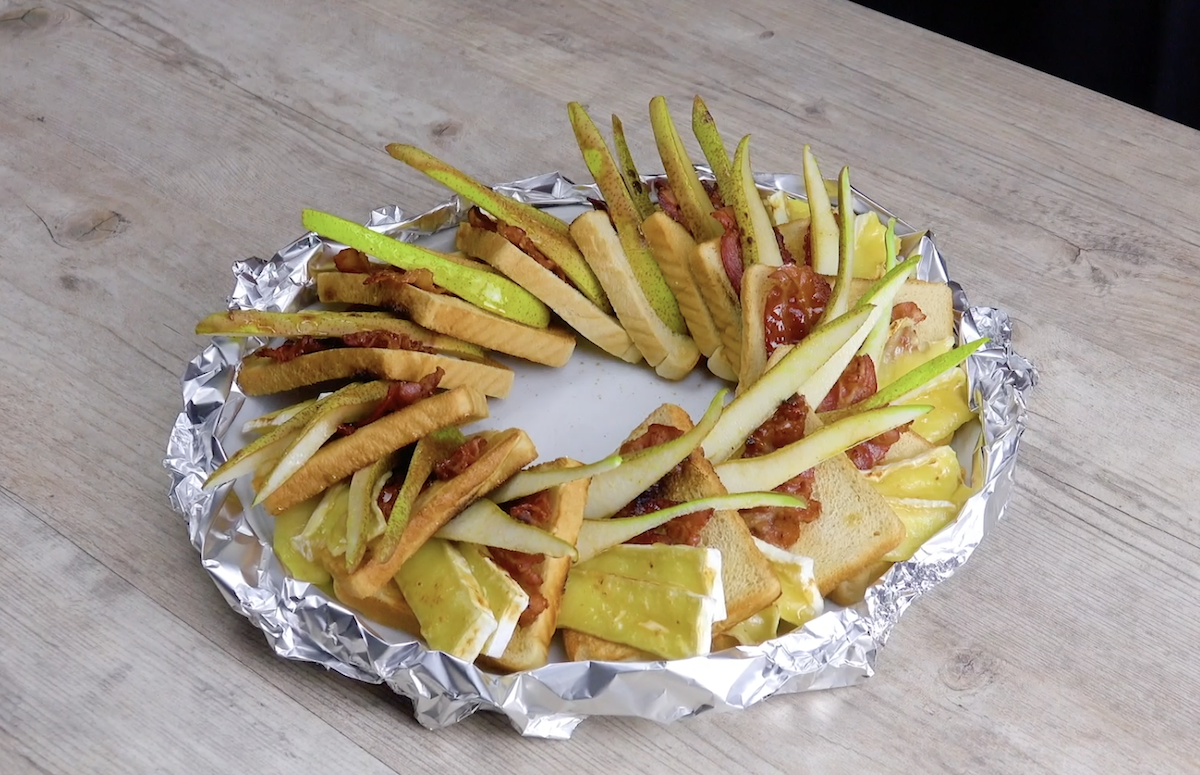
610, 491
487, 290
754, 405
364, 521
758, 235
878, 299
544, 477
428, 452
350, 404
839, 299
639, 193
705, 129
625, 218
922, 519
329, 324
767, 472
694, 203
824, 227
485, 523
548, 233
873, 345
662, 619
326, 528
597, 535
801, 598
911, 382
272, 420
447, 600
504, 596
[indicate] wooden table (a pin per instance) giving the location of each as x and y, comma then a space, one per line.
146, 145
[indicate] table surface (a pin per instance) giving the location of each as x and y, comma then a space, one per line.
147, 144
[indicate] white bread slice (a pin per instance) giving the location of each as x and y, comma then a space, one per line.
530, 646
855, 529
722, 300
604, 330
672, 355
754, 347
259, 376
910, 445
749, 583
506, 453
342, 457
672, 247
936, 300
451, 315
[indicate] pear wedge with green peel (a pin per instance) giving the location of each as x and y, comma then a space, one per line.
544, 477
325, 530
364, 521
487, 290
275, 441
610, 491
758, 233
271, 420
823, 227
694, 203
597, 535
485, 523
639, 192
839, 298
878, 301
910, 383
427, 453
705, 129
625, 218
549, 234
767, 472
753, 406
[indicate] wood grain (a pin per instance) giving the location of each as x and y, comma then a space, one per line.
146, 145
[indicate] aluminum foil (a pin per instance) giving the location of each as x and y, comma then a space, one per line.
838, 648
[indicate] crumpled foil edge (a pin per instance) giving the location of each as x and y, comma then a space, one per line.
838, 648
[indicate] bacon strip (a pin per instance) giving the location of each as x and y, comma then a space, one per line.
526, 570
294, 348
532, 510
386, 340
400, 395
518, 238
795, 300
858, 383
780, 526
907, 309
461, 459
731, 248
667, 201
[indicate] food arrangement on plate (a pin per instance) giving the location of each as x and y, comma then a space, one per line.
830, 463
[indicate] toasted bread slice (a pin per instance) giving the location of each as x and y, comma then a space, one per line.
530, 645
506, 453
259, 376
910, 445
672, 355
722, 300
672, 247
855, 529
754, 349
342, 457
936, 300
451, 315
602, 329
749, 583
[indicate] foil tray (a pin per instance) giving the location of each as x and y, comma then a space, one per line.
838, 648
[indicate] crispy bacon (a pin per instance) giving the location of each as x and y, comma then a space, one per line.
856, 383
795, 300
655, 434
667, 201
783, 427
390, 492
786, 254
681, 531
418, 278
731, 247
532, 510
526, 570
867, 455
518, 238
294, 348
907, 309
776, 525
386, 340
353, 261
400, 395
461, 459
714, 196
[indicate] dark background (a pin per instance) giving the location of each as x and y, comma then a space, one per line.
1144, 52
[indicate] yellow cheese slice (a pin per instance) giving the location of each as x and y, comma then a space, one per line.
447, 600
